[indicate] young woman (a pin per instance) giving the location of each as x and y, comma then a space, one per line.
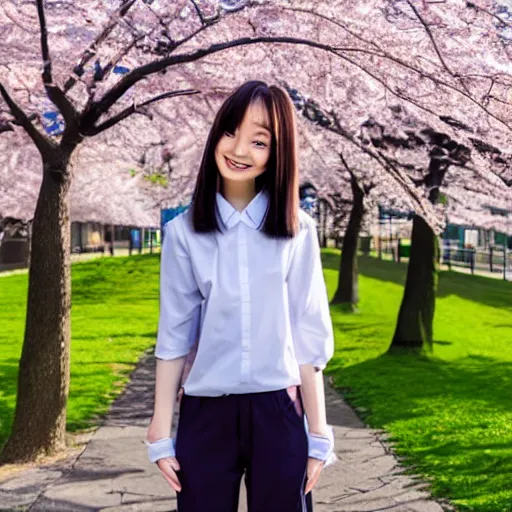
241, 273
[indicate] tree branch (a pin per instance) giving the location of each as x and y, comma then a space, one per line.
94, 110
103, 105
472, 5
6, 127
436, 48
385, 55
335, 22
431, 37
44, 145
330, 121
45, 52
344, 162
134, 109
205, 23
365, 189
198, 11
62, 102
115, 60
90, 52
55, 94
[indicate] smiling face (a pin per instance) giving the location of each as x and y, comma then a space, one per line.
244, 154
251, 147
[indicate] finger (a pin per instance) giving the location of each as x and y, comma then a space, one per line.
173, 483
313, 466
173, 462
169, 461
314, 469
168, 468
171, 478
311, 483
165, 467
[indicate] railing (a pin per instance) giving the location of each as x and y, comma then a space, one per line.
495, 261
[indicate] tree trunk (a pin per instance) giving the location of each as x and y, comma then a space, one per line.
43, 381
112, 236
29, 237
347, 292
414, 325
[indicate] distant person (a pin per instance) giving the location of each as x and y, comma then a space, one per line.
241, 275
95, 240
109, 239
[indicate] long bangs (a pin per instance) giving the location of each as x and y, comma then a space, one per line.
280, 179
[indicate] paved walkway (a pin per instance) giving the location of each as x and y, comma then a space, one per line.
112, 473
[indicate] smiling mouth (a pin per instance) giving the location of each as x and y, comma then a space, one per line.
235, 165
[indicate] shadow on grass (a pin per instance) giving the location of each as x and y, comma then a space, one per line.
109, 285
88, 403
452, 418
150, 334
473, 378
347, 327
105, 280
492, 292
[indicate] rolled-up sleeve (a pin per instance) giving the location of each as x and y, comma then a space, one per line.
180, 298
310, 317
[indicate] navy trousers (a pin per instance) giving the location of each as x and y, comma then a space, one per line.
259, 436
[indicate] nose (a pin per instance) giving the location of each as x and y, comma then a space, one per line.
240, 148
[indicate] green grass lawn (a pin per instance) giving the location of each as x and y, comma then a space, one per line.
114, 319
449, 415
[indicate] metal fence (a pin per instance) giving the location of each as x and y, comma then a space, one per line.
495, 261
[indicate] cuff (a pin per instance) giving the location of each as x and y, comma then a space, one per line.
160, 449
322, 447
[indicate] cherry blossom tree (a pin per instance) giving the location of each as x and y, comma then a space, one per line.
101, 63
347, 291
411, 150
89, 100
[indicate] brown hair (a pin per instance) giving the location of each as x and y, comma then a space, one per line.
280, 178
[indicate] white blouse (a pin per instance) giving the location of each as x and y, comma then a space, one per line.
257, 306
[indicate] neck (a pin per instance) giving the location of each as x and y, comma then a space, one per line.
239, 194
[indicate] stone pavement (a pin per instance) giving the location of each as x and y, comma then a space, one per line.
112, 473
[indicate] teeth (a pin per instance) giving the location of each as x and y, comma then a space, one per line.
239, 166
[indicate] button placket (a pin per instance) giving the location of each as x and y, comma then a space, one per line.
245, 308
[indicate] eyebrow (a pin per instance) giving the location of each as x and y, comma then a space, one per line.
263, 132
263, 129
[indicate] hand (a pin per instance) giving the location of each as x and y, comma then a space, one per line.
168, 467
314, 468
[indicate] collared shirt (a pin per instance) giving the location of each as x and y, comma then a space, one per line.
257, 305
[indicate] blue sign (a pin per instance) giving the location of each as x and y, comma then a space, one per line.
136, 239
121, 70
53, 123
168, 214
